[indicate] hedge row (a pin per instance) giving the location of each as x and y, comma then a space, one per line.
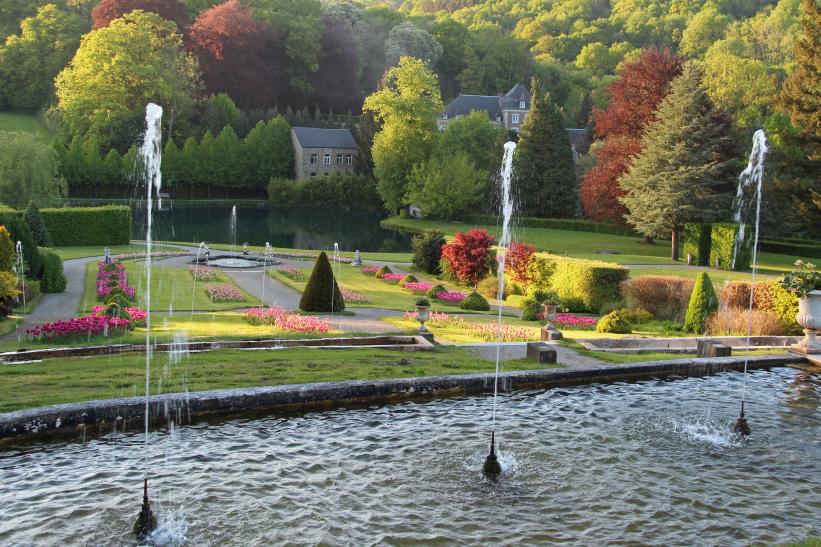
573, 224
722, 246
807, 250
107, 225
696, 243
582, 285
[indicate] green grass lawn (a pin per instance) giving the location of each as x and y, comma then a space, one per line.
67, 253
171, 289
620, 358
79, 379
381, 257
10, 121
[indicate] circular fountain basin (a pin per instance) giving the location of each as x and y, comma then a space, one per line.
235, 261
650, 462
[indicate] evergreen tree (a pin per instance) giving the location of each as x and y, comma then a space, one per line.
321, 292
35, 223
703, 303
684, 170
545, 174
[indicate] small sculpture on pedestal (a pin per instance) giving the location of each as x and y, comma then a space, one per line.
357, 259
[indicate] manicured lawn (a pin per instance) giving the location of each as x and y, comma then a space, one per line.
620, 358
380, 257
172, 289
80, 379
718, 277
67, 253
22, 122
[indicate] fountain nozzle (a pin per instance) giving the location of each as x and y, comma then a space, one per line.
146, 522
492, 467
741, 426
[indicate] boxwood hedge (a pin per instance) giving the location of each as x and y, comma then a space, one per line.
107, 225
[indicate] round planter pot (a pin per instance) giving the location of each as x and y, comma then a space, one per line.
809, 317
422, 316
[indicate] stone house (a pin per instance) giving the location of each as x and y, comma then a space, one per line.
319, 152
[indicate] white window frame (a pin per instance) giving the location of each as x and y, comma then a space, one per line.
348, 159
313, 158
339, 159
514, 118
327, 159
522, 104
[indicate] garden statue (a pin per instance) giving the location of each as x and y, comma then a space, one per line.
107, 255
245, 248
357, 259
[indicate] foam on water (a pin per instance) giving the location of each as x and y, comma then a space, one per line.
172, 530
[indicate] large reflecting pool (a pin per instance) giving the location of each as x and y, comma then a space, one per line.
651, 462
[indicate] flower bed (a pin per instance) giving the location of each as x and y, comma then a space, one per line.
353, 297
419, 287
370, 270
392, 277
454, 297
571, 321
112, 275
137, 315
487, 332
154, 254
308, 256
224, 292
204, 273
286, 321
293, 274
79, 327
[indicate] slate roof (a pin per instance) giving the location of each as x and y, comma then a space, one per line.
518, 92
316, 137
465, 104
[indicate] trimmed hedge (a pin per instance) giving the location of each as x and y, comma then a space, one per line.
722, 245
475, 301
573, 224
107, 225
614, 323
53, 278
321, 292
703, 304
804, 249
697, 243
586, 285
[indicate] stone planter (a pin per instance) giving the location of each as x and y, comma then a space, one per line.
809, 317
422, 316
550, 314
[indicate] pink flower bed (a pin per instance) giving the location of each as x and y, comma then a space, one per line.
392, 277
419, 287
488, 332
154, 254
370, 270
138, 315
572, 321
353, 297
287, 321
224, 292
107, 280
204, 273
454, 297
89, 325
293, 274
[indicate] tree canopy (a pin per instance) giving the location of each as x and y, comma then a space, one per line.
28, 171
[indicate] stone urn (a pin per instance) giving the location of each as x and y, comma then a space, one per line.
809, 317
422, 316
550, 309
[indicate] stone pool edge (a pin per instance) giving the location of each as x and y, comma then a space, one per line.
109, 414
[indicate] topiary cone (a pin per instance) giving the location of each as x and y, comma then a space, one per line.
322, 289
703, 303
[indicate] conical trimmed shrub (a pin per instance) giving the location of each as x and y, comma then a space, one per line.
35, 223
703, 304
322, 293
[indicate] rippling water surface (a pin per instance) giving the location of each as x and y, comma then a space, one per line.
649, 462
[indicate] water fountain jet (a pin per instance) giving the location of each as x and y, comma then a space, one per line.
492, 468
146, 521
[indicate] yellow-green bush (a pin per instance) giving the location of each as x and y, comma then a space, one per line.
585, 285
613, 323
722, 246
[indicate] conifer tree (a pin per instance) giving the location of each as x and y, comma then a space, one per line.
684, 171
545, 174
703, 303
321, 292
35, 224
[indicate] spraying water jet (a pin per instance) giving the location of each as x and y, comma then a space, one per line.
146, 521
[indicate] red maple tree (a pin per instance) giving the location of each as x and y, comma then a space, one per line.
633, 100
469, 254
108, 10
519, 256
237, 54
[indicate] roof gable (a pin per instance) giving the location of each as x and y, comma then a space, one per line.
465, 104
317, 137
518, 92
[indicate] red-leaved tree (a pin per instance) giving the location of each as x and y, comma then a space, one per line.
108, 10
469, 255
237, 54
633, 100
519, 256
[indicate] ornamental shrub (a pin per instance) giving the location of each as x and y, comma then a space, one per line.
636, 316
382, 271
734, 322
703, 304
475, 301
35, 224
519, 258
107, 225
722, 246
19, 231
6, 250
665, 296
427, 251
446, 272
53, 278
784, 306
614, 323
489, 287
322, 292
8, 287
540, 271
531, 310
769, 297
410, 278
697, 243
435, 289
586, 285
469, 255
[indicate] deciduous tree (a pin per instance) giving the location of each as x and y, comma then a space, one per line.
28, 171
170, 10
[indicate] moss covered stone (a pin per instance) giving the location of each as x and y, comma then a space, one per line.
322, 292
703, 304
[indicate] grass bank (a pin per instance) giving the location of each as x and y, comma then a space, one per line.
83, 251
379, 257
81, 379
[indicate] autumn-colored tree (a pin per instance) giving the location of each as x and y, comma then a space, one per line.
108, 10
469, 255
238, 55
632, 103
517, 262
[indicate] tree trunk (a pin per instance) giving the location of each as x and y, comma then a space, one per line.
674, 246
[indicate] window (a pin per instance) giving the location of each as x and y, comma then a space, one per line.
313, 174
313, 159
327, 173
521, 105
514, 118
339, 159
348, 159
327, 159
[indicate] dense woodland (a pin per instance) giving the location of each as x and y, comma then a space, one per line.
234, 76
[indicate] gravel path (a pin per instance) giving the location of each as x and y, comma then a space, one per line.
518, 350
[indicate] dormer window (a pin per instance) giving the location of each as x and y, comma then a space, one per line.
522, 105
